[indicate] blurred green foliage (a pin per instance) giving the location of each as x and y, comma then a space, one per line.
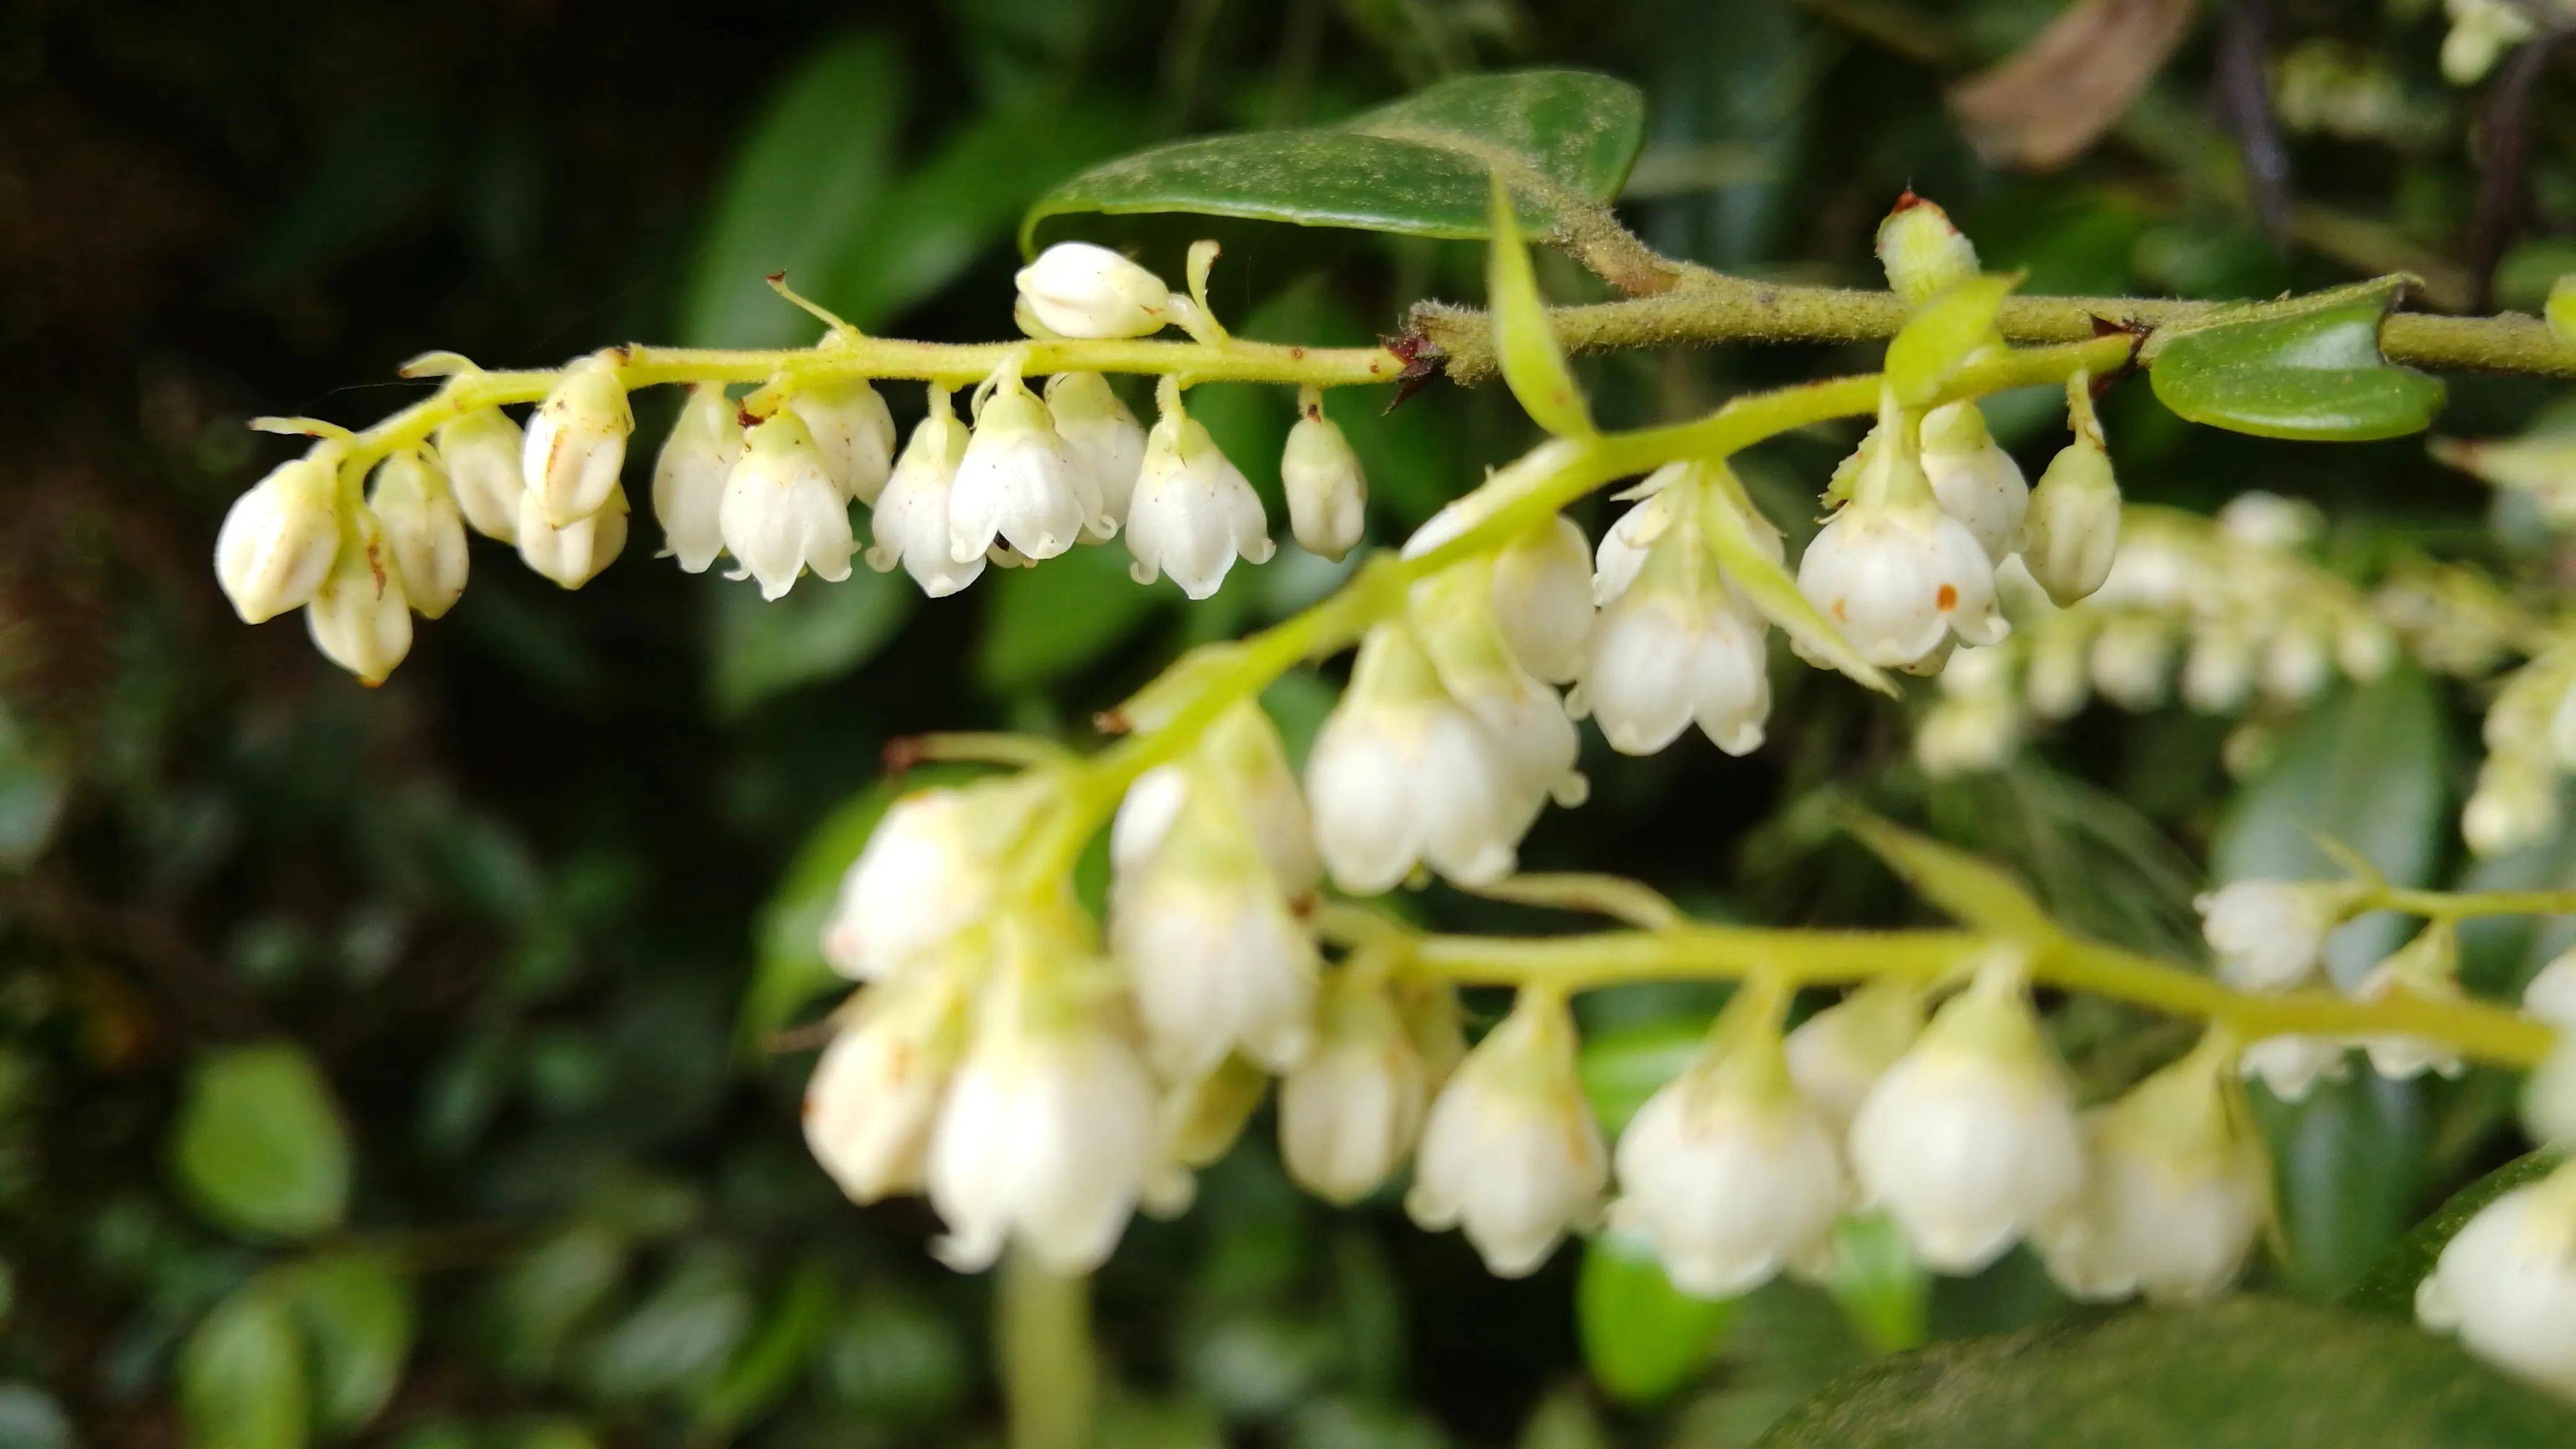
421, 1065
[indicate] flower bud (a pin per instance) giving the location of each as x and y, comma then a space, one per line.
2506, 1283
2561, 309
2130, 661
1525, 719
876, 1090
1193, 512
1047, 1140
2269, 933
2073, 530
1896, 579
1542, 597
1349, 1113
1976, 482
930, 870
1510, 1153
1921, 251
1076, 289
423, 530
278, 540
360, 618
1016, 483
1402, 774
1838, 1054
1102, 437
1327, 493
911, 517
2481, 32
2262, 520
1726, 1170
2174, 1197
1971, 1139
571, 554
2297, 665
481, 453
689, 477
1673, 647
854, 429
781, 512
1239, 758
576, 443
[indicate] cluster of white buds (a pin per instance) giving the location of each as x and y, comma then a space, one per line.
1676, 642
2506, 1283
2224, 612
2530, 737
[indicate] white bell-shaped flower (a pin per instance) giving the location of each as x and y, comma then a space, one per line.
1402, 774
360, 618
1075, 289
1327, 492
929, 871
2131, 660
781, 513
1510, 1153
2506, 1283
1894, 572
1016, 483
1542, 597
571, 554
1726, 1170
1673, 646
482, 452
576, 442
855, 429
1480, 670
877, 1088
2298, 664
1048, 1138
1350, 1112
2549, 1091
2218, 670
689, 477
279, 538
2427, 968
1838, 1054
2174, 1194
911, 517
2072, 531
1976, 482
2264, 520
2291, 1064
423, 529
1215, 958
2269, 934
1240, 757
1193, 513
1104, 439
1971, 1139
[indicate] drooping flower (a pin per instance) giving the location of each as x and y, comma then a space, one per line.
1673, 645
876, 1090
423, 530
689, 477
2269, 933
1402, 774
360, 618
1510, 1153
1327, 492
481, 451
2506, 1283
1016, 483
853, 427
930, 870
1838, 1054
1350, 1112
2072, 531
1103, 438
1193, 512
576, 443
1975, 481
571, 554
911, 517
781, 514
1895, 573
278, 540
2427, 967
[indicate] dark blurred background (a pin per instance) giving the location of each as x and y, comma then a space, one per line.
540, 907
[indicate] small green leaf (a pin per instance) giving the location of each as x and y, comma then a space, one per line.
677, 1339
768, 1365
1885, 1295
1644, 1340
1532, 360
759, 647
241, 1376
1942, 334
259, 1144
356, 1313
1972, 892
1621, 1066
2348, 1170
1773, 591
2389, 1286
1418, 166
1049, 622
2309, 368
2247, 1373
898, 1360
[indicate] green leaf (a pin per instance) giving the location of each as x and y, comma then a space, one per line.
546, 1294
1884, 1294
1643, 1339
1971, 891
2309, 368
759, 648
2389, 1286
769, 1364
897, 1360
809, 180
355, 1310
241, 1376
259, 1144
1049, 622
1532, 360
2348, 1167
1954, 323
2248, 1373
1622, 1066
680, 1337
1768, 584
1418, 166
2561, 309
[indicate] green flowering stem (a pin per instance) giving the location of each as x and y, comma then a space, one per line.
1700, 951
2460, 905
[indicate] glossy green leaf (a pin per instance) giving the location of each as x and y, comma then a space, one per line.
1644, 1340
2309, 368
2246, 1373
259, 1145
1941, 335
758, 648
1532, 360
355, 1310
2348, 1164
1768, 583
1049, 622
896, 1359
1971, 891
2389, 1286
1418, 166
1621, 1066
1884, 1293
241, 1376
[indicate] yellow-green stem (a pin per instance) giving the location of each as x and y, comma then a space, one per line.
2459, 905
